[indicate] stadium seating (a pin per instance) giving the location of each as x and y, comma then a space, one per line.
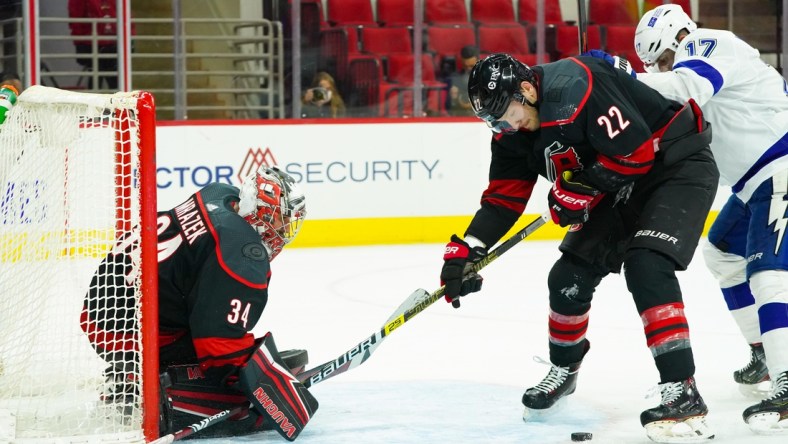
648, 5
492, 11
395, 12
620, 41
400, 69
564, 41
552, 12
385, 41
619, 38
445, 42
350, 13
366, 78
503, 38
613, 12
398, 91
445, 11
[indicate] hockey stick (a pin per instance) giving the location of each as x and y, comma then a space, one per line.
226, 414
417, 303
198, 426
582, 26
413, 305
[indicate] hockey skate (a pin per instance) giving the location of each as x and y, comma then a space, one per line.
770, 416
559, 383
680, 417
753, 378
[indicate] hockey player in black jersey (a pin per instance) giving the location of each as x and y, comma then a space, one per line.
632, 176
214, 254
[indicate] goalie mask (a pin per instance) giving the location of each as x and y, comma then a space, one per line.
273, 204
657, 32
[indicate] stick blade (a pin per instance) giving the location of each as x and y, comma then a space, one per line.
415, 298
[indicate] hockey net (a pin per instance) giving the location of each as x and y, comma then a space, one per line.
77, 173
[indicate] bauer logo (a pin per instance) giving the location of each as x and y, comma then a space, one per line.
658, 235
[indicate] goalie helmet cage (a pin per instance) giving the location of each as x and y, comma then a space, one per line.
77, 173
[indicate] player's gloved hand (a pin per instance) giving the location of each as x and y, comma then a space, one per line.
456, 274
570, 202
615, 61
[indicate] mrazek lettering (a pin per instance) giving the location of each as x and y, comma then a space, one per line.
657, 234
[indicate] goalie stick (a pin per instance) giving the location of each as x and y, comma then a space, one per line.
226, 414
417, 302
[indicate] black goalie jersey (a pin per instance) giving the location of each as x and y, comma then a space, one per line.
213, 280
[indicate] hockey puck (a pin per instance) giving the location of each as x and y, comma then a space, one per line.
581, 436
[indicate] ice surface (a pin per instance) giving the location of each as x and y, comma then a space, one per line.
457, 375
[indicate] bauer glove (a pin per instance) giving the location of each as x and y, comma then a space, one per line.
615, 61
570, 202
456, 274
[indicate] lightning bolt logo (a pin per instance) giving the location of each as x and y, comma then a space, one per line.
777, 209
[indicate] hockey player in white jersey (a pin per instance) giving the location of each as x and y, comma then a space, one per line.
745, 101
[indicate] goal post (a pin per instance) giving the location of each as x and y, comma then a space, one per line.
78, 179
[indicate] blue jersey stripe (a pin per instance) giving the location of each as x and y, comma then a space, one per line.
773, 316
704, 70
777, 150
738, 296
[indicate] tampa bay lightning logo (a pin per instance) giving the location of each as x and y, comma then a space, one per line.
778, 209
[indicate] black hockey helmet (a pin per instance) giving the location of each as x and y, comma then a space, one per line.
494, 82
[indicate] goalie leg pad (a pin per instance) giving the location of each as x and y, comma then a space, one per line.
274, 392
195, 394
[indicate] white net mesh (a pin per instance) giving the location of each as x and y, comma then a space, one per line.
61, 189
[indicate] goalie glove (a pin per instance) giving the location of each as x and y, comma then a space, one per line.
456, 275
274, 392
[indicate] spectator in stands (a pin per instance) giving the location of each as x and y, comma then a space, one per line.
13, 79
323, 98
10, 88
96, 9
459, 103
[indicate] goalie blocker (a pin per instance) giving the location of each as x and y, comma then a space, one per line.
275, 393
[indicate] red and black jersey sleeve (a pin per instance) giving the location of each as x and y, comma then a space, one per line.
511, 182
